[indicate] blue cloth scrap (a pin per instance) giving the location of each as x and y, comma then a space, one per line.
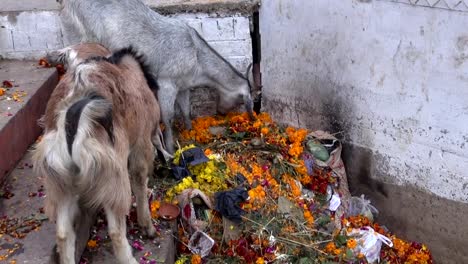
180, 172
227, 203
194, 156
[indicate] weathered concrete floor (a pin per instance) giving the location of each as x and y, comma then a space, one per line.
37, 245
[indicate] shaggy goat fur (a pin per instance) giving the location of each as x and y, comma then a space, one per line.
100, 124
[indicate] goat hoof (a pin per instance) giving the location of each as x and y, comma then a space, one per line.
150, 232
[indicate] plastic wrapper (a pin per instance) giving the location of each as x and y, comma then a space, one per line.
361, 206
200, 243
369, 243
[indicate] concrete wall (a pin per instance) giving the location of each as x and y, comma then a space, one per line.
392, 77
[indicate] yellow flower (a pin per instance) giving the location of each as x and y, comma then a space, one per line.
181, 260
260, 260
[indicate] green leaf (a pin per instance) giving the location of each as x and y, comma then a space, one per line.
239, 135
304, 261
340, 240
349, 254
41, 217
323, 220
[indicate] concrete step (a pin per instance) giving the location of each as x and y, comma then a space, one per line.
36, 247
20, 108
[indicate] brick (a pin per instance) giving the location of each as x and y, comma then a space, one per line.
196, 24
218, 28
241, 27
47, 21
24, 22
21, 41
6, 41
240, 62
46, 40
232, 48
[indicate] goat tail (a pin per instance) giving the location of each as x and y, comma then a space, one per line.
79, 155
89, 149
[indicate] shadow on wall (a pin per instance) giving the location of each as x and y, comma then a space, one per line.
359, 165
409, 212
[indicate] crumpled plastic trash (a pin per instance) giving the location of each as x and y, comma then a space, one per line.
361, 206
190, 157
369, 243
335, 202
194, 214
318, 150
200, 243
227, 203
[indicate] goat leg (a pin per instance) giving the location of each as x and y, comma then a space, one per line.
66, 236
118, 233
83, 223
168, 91
183, 100
140, 168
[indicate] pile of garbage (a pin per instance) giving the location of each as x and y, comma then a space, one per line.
259, 192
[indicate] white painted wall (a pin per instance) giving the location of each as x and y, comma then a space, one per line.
394, 76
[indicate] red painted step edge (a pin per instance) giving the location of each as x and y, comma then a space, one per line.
22, 130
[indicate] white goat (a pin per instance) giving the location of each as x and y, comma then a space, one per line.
178, 57
100, 124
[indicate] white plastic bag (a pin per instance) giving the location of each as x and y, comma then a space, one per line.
200, 243
361, 206
369, 243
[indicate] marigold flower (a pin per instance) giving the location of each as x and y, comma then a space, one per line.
196, 259
330, 247
351, 243
264, 131
337, 251
154, 208
260, 260
92, 243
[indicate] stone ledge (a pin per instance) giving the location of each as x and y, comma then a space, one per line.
18, 120
162, 6
204, 6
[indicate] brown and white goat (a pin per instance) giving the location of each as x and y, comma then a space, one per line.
100, 124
